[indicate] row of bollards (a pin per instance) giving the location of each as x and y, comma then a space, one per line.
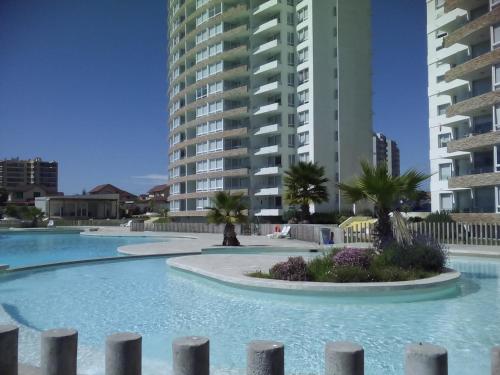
191, 356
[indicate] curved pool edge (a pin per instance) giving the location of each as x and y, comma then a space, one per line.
238, 278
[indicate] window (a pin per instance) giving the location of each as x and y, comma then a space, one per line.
302, 35
446, 202
290, 19
336, 94
175, 206
440, 79
216, 164
303, 97
304, 157
203, 203
290, 39
303, 138
439, 3
216, 183
336, 156
335, 11
303, 55
290, 2
303, 118
291, 100
334, 32
215, 145
175, 189
291, 79
444, 171
496, 79
291, 140
336, 114
291, 120
441, 109
336, 135
291, 59
201, 166
303, 76
291, 159
496, 36
443, 139
302, 15
497, 115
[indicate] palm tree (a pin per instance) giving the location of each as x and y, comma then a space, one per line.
229, 210
386, 192
305, 184
32, 214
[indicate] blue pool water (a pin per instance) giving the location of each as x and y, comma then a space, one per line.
147, 297
26, 249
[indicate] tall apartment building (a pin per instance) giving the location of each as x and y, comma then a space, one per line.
386, 151
464, 104
256, 86
18, 174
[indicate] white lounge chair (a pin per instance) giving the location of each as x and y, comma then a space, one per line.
285, 233
127, 224
50, 224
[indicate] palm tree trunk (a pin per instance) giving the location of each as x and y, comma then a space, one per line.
306, 213
230, 236
383, 229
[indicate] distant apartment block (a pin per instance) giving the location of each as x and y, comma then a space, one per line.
255, 87
464, 104
26, 179
386, 151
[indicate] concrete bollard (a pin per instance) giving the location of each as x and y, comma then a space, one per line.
191, 355
495, 360
124, 354
265, 358
344, 358
426, 359
9, 336
59, 349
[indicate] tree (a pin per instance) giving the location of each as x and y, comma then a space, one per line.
33, 214
305, 183
386, 192
4, 196
11, 211
229, 210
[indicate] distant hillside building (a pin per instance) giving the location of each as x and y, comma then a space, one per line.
386, 151
159, 192
25, 180
111, 189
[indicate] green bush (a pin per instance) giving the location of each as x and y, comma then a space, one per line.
425, 254
439, 217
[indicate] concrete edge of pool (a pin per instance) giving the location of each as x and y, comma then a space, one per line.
233, 269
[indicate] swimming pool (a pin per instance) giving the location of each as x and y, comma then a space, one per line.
147, 297
32, 248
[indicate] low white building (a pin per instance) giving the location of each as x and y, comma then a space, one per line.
80, 207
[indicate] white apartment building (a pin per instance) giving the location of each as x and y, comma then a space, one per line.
254, 87
464, 104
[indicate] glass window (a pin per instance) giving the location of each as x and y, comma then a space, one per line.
303, 138
446, 202
291, 100
444, 171
443, 139
303, 118
302, 15
303, 55
291, 140
441, 109
496, 35
303, 76
291, 79
303, 97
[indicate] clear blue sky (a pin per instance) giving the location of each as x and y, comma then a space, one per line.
84, 82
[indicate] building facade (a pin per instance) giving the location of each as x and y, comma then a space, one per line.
80, 207
17, 176
464, 104
386, 151
256, 86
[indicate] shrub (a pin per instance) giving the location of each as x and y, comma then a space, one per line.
320, 268
294, 269
425, 254
353, 257
439, 217
351, 274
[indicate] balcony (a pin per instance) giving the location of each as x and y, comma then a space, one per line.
268, 171
269, 212
267, 129
265, 109
474, 31
267, 150
475, 142
450, 5
268, 88
268, 26
267, 7
271, 191
271, 46
475, 106
475, 68
477, 179
272, 66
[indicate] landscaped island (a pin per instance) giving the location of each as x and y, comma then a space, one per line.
422, 259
